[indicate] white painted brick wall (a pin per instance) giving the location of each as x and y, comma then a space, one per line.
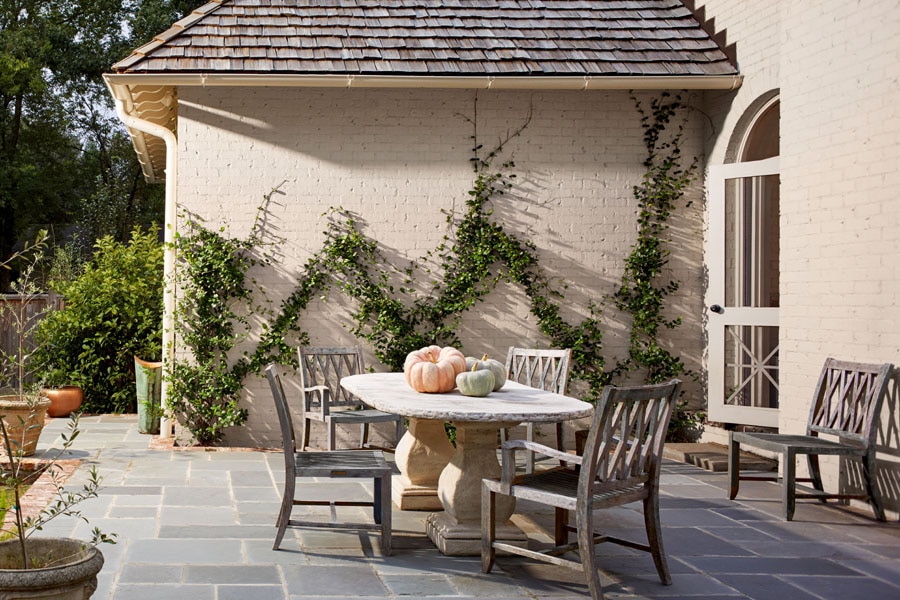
836, 66
396, 158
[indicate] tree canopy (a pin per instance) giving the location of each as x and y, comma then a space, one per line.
66, 162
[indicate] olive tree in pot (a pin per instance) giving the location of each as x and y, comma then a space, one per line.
40, 567
58, 568
22, 406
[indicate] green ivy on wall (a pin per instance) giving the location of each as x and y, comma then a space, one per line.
395, 317
643, 290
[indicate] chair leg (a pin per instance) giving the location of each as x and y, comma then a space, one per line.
304, 435
488, 528
816, 475
383, 489
560, 533
560, 444
868, 465
332, 434
789, 484
654, 537
529, 455
584, 522
377, 506
734, 467
284, 513
363, 434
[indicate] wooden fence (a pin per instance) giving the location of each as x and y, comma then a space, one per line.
15, 309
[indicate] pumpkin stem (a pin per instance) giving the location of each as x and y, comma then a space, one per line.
474, 367
430, 356
484, 357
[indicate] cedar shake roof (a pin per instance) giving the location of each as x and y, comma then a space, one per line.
498, 44
593, 38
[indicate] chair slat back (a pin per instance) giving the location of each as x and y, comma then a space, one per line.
326, 366
542, 369
284, 416
848, 400
625, 443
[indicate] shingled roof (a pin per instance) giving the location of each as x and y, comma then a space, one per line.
436, 37
498, 44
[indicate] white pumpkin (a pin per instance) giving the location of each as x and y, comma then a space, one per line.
497, 368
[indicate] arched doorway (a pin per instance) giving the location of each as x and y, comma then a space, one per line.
743, 259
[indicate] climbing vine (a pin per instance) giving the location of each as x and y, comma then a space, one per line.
642, 294
211, 320
397, 312
480, 254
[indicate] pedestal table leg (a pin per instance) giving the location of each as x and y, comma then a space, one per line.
457, 531
421, 455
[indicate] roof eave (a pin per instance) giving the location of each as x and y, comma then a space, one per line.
510, 82
153, 95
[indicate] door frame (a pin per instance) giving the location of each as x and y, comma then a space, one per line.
718, 321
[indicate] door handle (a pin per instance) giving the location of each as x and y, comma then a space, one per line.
717, 309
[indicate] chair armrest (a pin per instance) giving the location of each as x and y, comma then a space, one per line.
311, 392
508, 457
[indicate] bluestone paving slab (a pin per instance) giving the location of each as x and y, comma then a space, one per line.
220, 532
423, 584
321, 581
217, 515
197, 496
144, 573
735, 535
169, 591
185, 551
238, 574
765, 587
764, 564
250, 592
200, 524
846, 588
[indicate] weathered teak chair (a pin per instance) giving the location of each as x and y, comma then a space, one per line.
341, 464
543, 369
845, 407
321, 370
620, 465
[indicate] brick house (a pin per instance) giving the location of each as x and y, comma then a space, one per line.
365, 105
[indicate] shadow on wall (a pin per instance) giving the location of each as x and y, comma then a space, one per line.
888, 446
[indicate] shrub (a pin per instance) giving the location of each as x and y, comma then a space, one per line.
113, 311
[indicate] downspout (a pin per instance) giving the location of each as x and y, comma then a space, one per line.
168, 337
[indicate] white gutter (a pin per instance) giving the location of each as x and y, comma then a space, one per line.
168, 339
513, 82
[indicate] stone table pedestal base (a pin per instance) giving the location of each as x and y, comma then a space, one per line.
421, 455
457, 531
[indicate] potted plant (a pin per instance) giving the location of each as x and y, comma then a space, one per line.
34, 567
22, 407
65, 397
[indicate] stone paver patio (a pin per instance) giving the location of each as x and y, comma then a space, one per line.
199, 525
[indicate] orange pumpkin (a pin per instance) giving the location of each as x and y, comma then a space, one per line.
433, 369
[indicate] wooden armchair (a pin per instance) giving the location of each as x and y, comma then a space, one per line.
542, 369
621, 464
845, 407
342, 464
326, 401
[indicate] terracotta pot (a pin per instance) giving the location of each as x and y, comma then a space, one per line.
72, 577
24, 422
63, 400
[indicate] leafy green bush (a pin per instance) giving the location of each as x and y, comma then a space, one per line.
113, 312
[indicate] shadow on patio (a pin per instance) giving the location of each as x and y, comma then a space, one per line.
200, 525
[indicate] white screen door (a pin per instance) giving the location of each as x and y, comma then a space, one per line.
742, 297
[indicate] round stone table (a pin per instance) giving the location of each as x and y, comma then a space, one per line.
424, 447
